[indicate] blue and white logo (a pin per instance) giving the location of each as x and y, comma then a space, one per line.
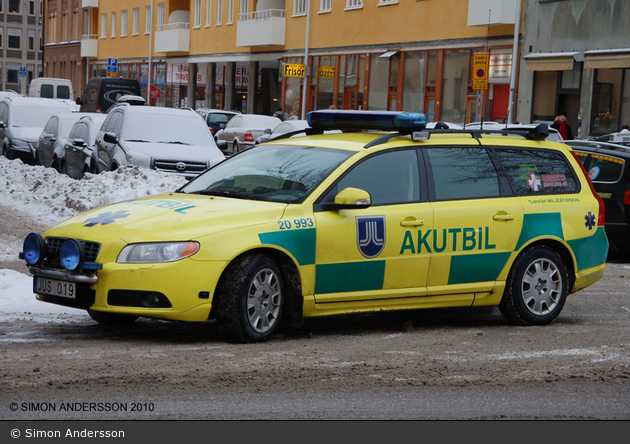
371, 235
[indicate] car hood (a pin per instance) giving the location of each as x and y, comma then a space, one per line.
28, 133
173, 151
167, 217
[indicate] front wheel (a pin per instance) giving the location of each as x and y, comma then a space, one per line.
536, 289
249, 299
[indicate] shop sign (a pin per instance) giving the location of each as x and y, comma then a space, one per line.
294, 70
326, 72
500, 67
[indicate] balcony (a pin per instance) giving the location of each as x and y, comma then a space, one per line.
89, 45
172, 37
261, 28
89, 3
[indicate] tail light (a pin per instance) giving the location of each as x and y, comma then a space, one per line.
600, 201
211, 130
98, 109
626, 198
248, 137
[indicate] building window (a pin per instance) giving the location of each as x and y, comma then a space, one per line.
1, 10
113, 24
244, 6
75, 24
14, 38
219, 11
387, 2
103, 26
136, 21
299, 7
1, 38
15, 7
230, 12
354, 4
325, 6
31, 40
123, 24
197, 14
208, 12
13, 71
148, 20
161, 15
31, 7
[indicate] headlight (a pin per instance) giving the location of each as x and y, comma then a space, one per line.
21, 143
34, 249
72, 254
139, 159
155, 252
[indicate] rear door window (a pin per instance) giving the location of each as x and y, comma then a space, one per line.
63, 92
533, 172
48, 91
602, 168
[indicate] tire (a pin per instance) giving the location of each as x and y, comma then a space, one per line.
111, 318
235, 147
8, 152
56, 164
536, 288
249, 299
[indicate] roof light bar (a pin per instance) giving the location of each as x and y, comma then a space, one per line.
402, 122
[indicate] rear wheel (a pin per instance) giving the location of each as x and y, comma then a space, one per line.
111, 318
235, 147
536, 289
249, 299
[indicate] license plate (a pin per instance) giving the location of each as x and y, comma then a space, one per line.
53, 287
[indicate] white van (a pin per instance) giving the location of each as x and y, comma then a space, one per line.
51, 88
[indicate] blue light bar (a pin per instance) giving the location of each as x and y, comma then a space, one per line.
403, 122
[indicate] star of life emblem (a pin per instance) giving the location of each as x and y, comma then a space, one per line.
371, 235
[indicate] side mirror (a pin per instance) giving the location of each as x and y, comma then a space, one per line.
78, 100
2, 124
79, 142
49, 137
222, 145
110, 137
267, 130
350, 198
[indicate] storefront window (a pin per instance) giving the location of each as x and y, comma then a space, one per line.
607, 103
379, 76
325, 83
624, 116
545, 95
413, 82
455, 86
292, 91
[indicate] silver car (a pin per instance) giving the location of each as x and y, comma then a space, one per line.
172, 140
242, 131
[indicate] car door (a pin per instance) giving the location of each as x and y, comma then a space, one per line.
76, 152
370, 253
46, 143
477, 221
106, 151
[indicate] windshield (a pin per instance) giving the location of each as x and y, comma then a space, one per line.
32, 116
270, 173
185, 128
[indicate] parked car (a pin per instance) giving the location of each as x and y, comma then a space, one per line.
622, 138
166, 139
293, 126
22, 120
389, 218
608, 166
216, 119
79, 154
242, 130
53, 138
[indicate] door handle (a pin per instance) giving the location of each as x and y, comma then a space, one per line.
412, 222
503, 216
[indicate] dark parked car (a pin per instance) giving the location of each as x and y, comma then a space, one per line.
216, 119
79, 154
607, 166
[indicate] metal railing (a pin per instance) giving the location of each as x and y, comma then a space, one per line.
261, 15
169, 26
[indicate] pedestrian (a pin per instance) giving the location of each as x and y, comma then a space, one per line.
279, 114
561, 124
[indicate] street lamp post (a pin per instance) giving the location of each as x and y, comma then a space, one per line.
306, 71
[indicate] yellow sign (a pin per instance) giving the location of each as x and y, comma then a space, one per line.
326, 72
112, 74
480, 84
294, 70
480, 67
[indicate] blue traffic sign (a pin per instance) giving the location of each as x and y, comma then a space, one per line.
112, 65
22, 71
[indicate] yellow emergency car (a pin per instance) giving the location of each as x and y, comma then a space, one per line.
385, 216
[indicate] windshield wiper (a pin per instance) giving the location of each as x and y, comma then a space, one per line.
138, 140
176, 142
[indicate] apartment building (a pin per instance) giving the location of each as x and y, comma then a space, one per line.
255, 55
20, 43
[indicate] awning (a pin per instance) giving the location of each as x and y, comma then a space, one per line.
552, 61
389, 53
607, 58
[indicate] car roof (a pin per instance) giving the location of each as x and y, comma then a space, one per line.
127, 108
35, 101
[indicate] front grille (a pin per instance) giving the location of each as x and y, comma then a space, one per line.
132, 298
54, 248
170, 166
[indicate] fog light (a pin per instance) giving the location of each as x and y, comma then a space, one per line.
151, 300
34, 249
72, 254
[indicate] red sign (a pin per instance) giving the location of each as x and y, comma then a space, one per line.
155, 92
